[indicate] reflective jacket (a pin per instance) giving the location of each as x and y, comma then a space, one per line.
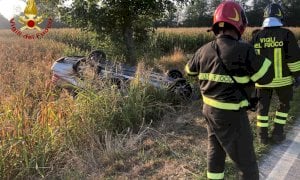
280, 46
216, 86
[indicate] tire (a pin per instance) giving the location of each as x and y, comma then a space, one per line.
181, 88
96, 57
117, 82
174, 73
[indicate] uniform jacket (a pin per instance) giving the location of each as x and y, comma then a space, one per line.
216, 86
280, 46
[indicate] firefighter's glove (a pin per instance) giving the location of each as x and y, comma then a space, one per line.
253, 101
297, 82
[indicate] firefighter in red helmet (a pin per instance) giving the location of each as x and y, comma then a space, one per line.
280, 46
224, 67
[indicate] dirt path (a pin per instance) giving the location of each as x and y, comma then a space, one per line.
176, 149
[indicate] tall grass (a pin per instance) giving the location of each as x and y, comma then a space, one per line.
163, 41
190, 39
39, 132
82, 42
42, 135
31, 124
187, 39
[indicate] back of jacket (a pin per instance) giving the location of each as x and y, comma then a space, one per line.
217, 87
280, 46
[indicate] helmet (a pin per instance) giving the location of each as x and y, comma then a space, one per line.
274, 10
231, 13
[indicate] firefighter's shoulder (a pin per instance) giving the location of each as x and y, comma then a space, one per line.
205, 47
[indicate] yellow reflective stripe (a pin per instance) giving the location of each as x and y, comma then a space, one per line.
260, 124
263, 118
223, 78
281, 114
215, 77
215, 175
294, 67
187, 70
242, 80
278, 62
223, 105
284, 81
279, 121
262, 71
257, 51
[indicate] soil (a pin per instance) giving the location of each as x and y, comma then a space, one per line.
175, 149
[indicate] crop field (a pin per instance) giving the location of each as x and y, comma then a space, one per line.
101, 134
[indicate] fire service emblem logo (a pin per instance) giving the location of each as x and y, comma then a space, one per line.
31, 21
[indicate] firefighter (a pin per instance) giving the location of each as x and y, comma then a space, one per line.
280, 46
224, 105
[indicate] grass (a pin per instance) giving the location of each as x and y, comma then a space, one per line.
43, 137
31, 124
102, 134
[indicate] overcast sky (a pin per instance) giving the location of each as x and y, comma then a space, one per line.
10, 8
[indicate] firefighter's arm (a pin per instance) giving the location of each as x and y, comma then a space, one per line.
192, 67
260, 68
292, 55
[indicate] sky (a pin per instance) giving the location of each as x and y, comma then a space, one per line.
10, 8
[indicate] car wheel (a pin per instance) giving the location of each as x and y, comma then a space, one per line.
181, 88
175, 74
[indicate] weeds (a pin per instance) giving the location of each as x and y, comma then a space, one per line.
104, 131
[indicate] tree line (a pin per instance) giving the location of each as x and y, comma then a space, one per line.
199, 13
129, 23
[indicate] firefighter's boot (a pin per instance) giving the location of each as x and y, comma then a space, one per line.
278, 133
262, 134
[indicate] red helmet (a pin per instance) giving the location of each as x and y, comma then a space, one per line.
232, 13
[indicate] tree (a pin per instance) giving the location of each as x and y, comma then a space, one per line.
124, 21
213, 5
243, 3
48, 8
169, 18
292, 12
255, 15
196, 14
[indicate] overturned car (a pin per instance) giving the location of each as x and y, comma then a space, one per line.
68, 73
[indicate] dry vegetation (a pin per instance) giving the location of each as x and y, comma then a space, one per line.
42, 136
30, 121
